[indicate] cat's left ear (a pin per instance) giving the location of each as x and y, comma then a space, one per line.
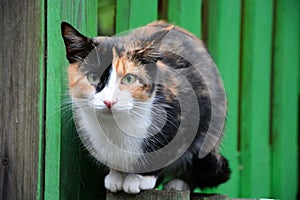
77, 45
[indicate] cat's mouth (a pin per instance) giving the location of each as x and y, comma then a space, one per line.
111, 112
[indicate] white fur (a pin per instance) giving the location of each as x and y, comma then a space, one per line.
131, 183
109, 92
107, 142
134, 183
114, 181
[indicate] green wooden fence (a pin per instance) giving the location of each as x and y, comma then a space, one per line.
255, 44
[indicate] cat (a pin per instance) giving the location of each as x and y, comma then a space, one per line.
149, 104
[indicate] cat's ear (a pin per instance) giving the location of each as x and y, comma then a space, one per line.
77, 45
150, 51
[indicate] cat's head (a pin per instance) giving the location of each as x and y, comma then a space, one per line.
111, 74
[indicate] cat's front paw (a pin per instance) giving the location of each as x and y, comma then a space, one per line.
114, 181
134, 183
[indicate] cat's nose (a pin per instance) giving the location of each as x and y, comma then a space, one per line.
109, 104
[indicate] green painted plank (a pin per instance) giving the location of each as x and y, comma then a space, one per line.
255, 98
53, 99
41, 104
61, 180
187, 14
135, 13
142, 12
88, 180
285, 99
224, 44
122, 15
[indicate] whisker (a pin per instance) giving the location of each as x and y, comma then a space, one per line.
156, 111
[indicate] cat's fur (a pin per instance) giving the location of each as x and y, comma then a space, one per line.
129, 95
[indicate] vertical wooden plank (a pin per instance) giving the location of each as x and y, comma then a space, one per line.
135, 13
64, 163
255, 97
54, 65
224, 44
21, 50
285, 99
42, 110
142, 12
122, 15
88, 180
187, 14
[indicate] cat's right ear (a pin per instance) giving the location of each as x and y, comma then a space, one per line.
77, 45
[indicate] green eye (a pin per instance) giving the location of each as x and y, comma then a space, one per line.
93, 78
128, 79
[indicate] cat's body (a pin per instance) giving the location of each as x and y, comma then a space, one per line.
142, 107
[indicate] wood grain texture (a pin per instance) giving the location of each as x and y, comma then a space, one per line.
21, 51
164, 195
149, 195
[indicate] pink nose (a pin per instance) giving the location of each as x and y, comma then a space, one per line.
109, 104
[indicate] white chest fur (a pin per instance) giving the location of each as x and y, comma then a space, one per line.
115, 142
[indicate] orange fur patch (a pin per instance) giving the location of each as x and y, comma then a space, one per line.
72, 71
79, 86
140, 93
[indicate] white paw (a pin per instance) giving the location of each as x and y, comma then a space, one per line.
114, 181
177, 184
134, 183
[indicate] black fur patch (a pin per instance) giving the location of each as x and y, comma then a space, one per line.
169, 130
77, 45
104, 79
175, 61
210, 171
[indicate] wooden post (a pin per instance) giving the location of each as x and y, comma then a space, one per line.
21, 104
163, 194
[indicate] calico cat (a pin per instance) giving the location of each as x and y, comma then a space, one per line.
148, 104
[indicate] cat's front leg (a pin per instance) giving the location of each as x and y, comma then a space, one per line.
114, 180
134, 183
